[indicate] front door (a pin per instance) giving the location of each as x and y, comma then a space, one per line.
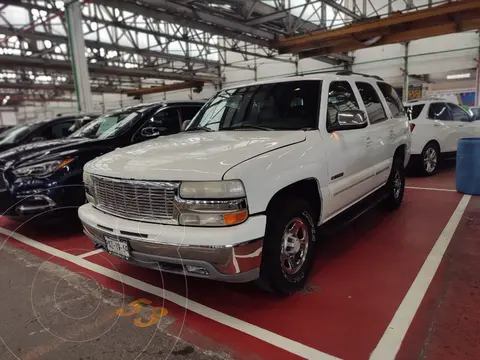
350, 168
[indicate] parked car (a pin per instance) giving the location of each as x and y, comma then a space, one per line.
47, 175
238, 196
4, 128
436, 127
55, 128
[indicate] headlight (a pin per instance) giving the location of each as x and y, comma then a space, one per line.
89, 190
212, 203
42, 169
228, 189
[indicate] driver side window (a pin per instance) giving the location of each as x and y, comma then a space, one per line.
340, 98
165, 121
57, 130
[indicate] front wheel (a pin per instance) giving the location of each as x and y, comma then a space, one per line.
288, 250
395, 186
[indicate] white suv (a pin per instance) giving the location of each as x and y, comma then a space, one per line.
239, 194
436, 127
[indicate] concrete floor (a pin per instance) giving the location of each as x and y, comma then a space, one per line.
53, 313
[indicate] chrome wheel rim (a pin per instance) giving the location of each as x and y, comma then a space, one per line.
430, 160
294, 246
397, 184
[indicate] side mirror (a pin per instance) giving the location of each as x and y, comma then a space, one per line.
152, 132
349, 120
38, 138
184, 125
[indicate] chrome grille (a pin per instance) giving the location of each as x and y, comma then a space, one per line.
151, 201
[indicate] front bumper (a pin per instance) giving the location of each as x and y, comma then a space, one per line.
18, 200
230, 254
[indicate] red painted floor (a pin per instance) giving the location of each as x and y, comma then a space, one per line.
359, 280
443, 179
447, 324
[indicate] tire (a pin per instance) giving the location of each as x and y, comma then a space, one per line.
286, 277
430, 155
395, 186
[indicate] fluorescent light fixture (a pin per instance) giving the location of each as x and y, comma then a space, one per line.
458, 76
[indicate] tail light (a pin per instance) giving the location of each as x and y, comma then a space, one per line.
412, 126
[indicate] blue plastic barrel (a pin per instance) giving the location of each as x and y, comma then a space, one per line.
468, 166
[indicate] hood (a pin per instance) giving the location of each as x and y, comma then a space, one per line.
190, 155
40, 150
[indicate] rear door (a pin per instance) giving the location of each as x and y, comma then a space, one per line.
379, 148
396, 128
442, 128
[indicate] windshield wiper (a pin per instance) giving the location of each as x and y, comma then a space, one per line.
204, 128
244, 126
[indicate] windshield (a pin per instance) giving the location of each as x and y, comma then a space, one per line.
109, 125
17, 132
291, 105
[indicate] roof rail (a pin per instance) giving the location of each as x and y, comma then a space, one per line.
347, 72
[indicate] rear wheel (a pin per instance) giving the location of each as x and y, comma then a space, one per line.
288, 250
395, 186
429, 159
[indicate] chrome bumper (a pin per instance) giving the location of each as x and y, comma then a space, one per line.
238, 263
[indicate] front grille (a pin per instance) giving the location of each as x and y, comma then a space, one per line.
151, 201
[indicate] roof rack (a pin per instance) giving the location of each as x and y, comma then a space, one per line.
347, 72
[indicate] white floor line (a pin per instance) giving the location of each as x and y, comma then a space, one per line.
279, 341
90, 253
429, 188
392, 339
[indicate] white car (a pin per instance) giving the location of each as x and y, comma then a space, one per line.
436, 127
239, 194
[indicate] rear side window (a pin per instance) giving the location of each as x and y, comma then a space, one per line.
414, 111
393, 101
376, 112
439, 111
340, 98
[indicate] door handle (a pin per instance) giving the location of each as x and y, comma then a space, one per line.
368, 141
436, 124
460, 125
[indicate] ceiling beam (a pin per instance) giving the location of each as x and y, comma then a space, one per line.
371, 28
150, 12
403, 36
164, 88
37, 35
124, 26
13, 61
342, 9
54, 87
207, 17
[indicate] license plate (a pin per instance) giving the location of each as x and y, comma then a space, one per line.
117, 247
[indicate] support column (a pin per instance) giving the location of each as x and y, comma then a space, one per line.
405, 74
76, 42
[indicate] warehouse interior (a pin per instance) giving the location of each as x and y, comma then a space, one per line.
401, 285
